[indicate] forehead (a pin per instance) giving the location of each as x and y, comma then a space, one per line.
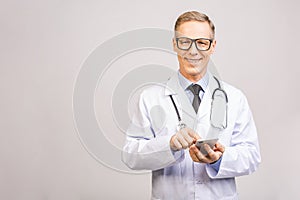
194, 29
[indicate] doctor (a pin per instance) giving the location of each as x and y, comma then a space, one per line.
154, 141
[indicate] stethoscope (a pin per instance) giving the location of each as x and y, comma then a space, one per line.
217, 125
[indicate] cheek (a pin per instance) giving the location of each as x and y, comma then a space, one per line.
181, 58
181, 53
205, 54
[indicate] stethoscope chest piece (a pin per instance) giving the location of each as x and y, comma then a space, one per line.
180, 125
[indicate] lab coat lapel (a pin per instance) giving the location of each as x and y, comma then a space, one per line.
185, 107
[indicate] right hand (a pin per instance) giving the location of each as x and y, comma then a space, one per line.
183, 139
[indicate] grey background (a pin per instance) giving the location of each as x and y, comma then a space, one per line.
44, 43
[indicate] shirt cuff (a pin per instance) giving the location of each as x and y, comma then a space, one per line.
216, 165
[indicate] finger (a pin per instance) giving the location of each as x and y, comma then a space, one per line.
177, 144
193, 149
212, 155
220, 147
187, 137
208, 149
192, 133
174, 144
201, 156
182, 141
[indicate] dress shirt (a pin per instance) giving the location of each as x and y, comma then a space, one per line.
203, 82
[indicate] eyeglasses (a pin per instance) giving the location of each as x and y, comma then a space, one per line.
202, 44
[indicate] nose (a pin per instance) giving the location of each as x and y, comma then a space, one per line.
193, 50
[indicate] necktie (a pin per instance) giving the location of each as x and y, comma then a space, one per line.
195, 90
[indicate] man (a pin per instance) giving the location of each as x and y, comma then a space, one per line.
179, 169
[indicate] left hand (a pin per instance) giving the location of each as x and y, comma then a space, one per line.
212, 156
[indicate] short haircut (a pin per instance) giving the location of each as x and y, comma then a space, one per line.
194, 16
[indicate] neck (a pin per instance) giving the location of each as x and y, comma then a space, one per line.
193, 77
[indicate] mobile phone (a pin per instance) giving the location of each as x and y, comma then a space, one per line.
200, 144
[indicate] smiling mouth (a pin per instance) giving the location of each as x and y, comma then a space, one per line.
193, 60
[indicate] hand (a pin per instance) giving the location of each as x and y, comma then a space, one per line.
183, 139
212, 154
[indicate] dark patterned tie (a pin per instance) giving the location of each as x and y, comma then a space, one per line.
195, 90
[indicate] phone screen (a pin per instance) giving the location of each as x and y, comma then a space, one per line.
210, 142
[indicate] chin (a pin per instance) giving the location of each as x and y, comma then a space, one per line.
195, 70
190, 69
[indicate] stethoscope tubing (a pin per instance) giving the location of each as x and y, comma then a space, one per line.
182, 125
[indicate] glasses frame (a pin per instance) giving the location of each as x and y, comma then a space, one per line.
194, 41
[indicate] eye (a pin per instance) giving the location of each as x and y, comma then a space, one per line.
184, 41
203, 42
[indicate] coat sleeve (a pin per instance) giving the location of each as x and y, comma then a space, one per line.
146, 148
242, 156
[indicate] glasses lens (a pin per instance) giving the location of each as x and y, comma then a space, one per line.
203, 44
184, 43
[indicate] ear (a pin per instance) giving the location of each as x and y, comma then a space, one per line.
213, 46
174, 44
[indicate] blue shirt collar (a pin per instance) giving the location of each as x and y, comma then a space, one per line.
184, 82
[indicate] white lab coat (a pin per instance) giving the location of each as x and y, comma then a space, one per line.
174, 175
